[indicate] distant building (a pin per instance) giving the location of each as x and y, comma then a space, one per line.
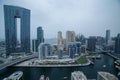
77, 75
91, 45
78, 48
100, 41
107, 36
59, 37
83, 48
11, 14
40, 34
60, 53
70, 36
40, 39
81, 38
70, 50
117, 44
106, 76
74, 49
45, 50
35, 44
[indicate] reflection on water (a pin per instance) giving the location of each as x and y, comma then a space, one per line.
59, 73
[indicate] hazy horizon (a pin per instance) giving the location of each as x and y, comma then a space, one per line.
87, 17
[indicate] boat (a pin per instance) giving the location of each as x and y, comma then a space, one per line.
104, 66
15, 76
47, 78
65, 77
119, 74
42, 77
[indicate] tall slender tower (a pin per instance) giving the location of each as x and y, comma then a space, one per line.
117, 44
107, 36
40, 34
60, 40
11, 13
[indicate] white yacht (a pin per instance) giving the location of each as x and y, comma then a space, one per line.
15, 76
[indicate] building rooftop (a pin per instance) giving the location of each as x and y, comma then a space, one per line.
77, 75
107, 76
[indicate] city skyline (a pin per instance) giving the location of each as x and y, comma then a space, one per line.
85, 17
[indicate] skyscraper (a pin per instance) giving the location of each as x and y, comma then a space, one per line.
74, 49
117, 44
70, 36
107, 36
40, 39
60, 40
91, 43
11, 14
60, 53
40, 34
44, 50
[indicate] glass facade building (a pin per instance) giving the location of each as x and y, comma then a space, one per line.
11, 13
117, 44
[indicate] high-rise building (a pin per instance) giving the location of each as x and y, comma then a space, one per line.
83, 48
40, 34
80, 38
117, 44
70, 50
11, 14
70, 36
40, 39
91, 45
60, 40
107, 36
60, 53
74, 49
35, 45
106, 76
44, 50
78, 48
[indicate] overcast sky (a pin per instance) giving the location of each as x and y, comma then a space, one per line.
87, 17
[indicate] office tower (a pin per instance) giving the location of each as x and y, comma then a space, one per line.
83, 48
70, 50
80, 38
74, 49
117, 44
59, 37
35, 45
77, 75
44, 50
91, 44
78, 48
40, 39
60, 53
11, 14
64, 44
40, 34
70, 36
106, 76
107, 36
100, 40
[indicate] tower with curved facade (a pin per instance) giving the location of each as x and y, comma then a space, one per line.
11, 13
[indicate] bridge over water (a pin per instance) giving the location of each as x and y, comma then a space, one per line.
13, 62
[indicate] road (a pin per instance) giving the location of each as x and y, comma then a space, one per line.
13, 62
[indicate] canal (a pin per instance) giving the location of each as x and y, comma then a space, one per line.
59, 73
